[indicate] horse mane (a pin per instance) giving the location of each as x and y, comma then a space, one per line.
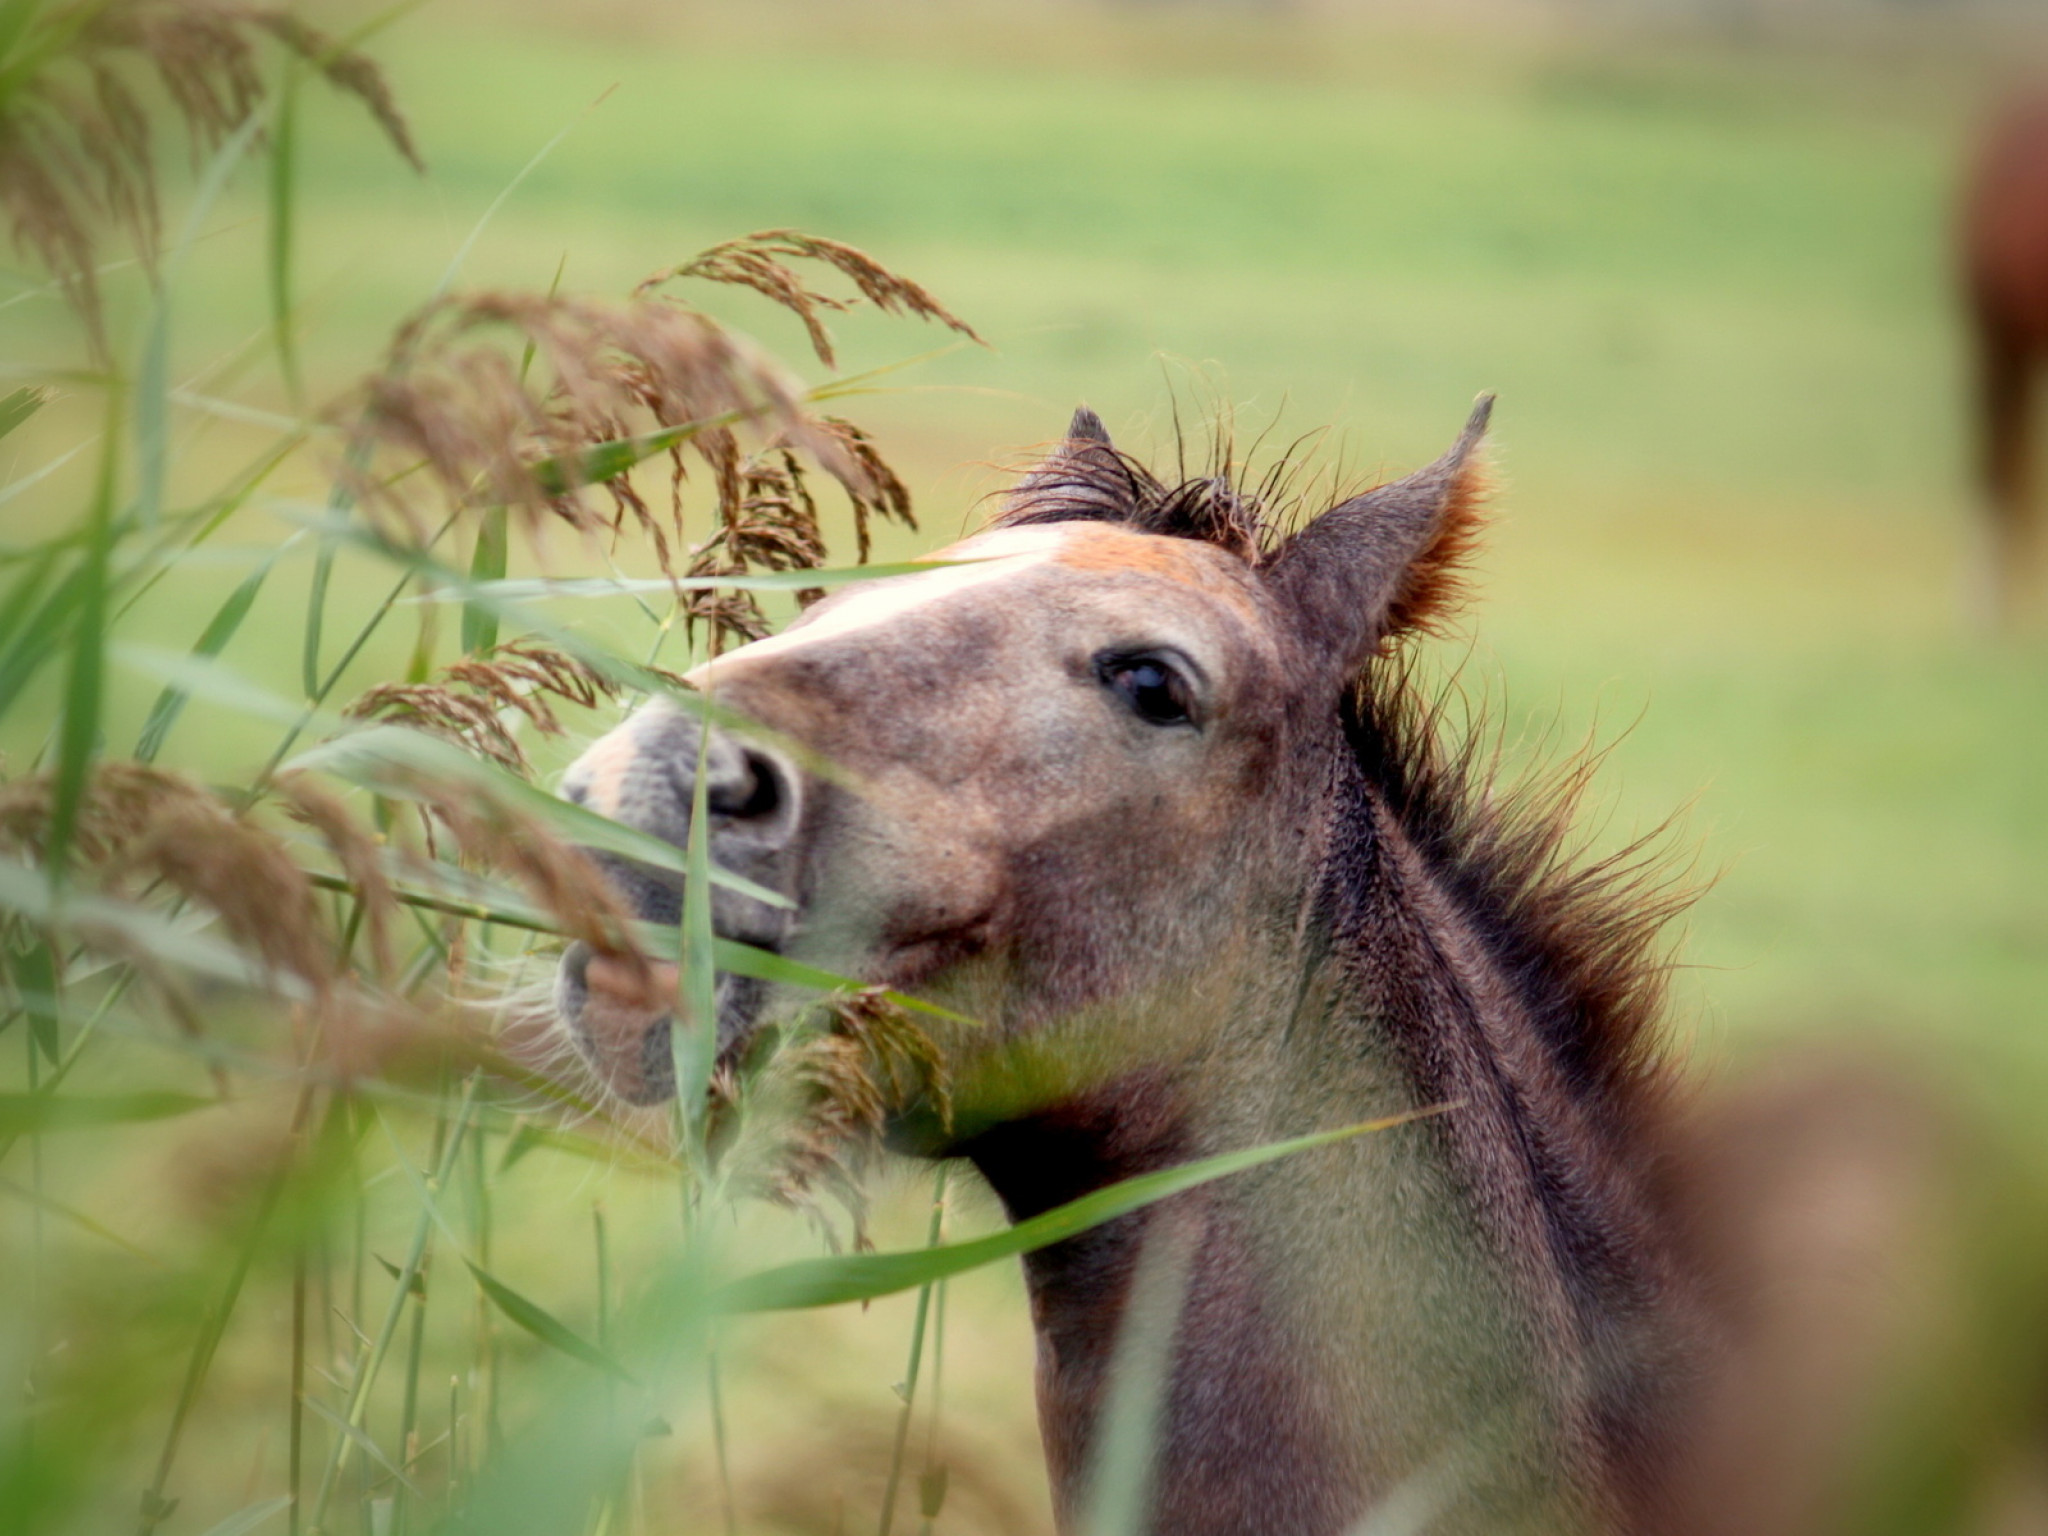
1579, 937
1088, 480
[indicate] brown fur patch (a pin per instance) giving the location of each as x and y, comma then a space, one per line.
1436, 586
1140, 555
1143, 555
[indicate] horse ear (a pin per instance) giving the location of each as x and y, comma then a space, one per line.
1084, 477
1385, 562
1087, 427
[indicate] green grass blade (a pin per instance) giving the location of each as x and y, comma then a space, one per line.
38, 634
694, 1036
751, 581
212, 641
316, 613
915, 1364
31, 1114
488, 901
17, 606
34, 47
572, 1451
20, 404
462, 251
152, 384
284, 160
34, 972
609, 460
544, 1325
326, 685
765, 965
78, 736
863, 383
360, 1438
829, 1281
392, 760
197, 1366
366, 1377
531, 1138
333, 529
186, 532
486, 568
36, 477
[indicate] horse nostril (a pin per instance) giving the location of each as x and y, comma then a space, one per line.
755, 793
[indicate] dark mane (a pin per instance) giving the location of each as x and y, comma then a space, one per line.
1579, 938
1088, 480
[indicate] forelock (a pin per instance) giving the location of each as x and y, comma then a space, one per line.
1087, 481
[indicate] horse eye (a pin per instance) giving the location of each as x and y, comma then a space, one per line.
1154, 691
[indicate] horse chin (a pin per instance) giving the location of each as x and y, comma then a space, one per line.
618, 1017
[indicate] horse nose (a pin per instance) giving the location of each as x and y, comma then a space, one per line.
743, 787
644, 773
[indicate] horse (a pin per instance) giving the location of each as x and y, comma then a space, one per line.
2004, 261
1143, 785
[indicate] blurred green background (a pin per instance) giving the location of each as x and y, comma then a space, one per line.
1703, 259
1710, 282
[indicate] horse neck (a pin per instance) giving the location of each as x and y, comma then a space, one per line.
1454, 1302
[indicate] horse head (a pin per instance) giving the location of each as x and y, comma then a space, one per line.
1073, 763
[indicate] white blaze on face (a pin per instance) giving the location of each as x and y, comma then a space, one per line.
987, 558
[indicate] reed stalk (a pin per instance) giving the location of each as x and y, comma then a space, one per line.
910, 1371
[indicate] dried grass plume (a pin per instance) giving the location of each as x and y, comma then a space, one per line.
77, 150
815, 1112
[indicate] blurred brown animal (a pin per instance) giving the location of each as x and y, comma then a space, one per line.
1873, 1248
2005, 279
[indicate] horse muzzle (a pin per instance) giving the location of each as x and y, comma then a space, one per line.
644, 774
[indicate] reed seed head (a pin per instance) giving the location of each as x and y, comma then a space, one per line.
760, 261
817, 1109
77, 148
141, 828
471, 701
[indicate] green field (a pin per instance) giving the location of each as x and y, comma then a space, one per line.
1712, 292
1711, 288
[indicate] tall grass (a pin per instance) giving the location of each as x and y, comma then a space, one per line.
307, 952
